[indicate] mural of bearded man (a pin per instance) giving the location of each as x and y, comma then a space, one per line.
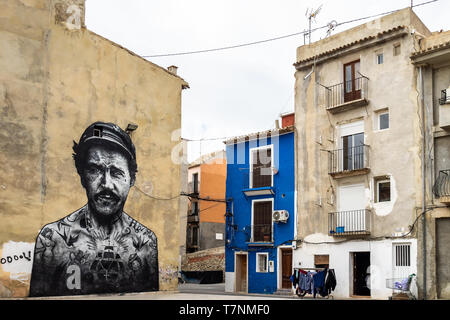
98, 248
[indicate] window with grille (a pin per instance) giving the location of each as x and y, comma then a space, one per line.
402, 255
261, 262
261, 168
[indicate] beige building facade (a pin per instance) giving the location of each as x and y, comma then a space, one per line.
359, 155
433, 67
57, 78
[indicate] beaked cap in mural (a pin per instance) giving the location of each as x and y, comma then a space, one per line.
101, 133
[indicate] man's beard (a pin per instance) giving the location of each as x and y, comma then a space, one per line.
106, 204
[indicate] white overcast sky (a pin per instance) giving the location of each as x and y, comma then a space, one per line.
235, 91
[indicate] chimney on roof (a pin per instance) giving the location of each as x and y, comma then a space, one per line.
277, 124
172, 69
287, 119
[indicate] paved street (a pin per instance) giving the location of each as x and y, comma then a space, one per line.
187, 291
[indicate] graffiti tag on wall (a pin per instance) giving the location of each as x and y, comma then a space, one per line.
10, 259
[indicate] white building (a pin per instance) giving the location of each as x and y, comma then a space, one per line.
359, 151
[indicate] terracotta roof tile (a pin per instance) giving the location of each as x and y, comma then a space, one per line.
431, 49
362, 40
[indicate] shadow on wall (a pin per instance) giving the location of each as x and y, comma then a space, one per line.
201, 277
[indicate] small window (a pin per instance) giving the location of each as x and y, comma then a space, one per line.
383, 120
402, 254
382, 189
380, 58
261, 262
397, 49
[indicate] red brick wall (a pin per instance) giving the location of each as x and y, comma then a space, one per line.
288, 120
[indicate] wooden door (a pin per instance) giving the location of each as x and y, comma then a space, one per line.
352, 85
241, 273
286, 268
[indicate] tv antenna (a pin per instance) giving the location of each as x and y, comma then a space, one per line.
311, 14
331, 26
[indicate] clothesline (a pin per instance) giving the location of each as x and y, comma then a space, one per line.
321, 282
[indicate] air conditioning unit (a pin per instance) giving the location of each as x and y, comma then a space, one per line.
280, 215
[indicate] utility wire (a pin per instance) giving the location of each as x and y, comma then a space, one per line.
277, 38
155, 197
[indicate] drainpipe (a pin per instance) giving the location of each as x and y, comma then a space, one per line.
423, 185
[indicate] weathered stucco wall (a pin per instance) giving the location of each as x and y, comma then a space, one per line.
395, 152
55, 81
405, 17
432, 255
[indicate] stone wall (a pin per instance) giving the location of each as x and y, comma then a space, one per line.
206, 260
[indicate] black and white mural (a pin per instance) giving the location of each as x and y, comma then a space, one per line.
98, 248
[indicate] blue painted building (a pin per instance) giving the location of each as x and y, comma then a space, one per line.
261, 211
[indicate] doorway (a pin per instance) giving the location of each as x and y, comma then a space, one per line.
286, 268
443, 257
352, 85
241, 272
361, 274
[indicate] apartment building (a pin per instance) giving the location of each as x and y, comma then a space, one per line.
359, 154
432, 63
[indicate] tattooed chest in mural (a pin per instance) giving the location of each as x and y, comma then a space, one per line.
72, 256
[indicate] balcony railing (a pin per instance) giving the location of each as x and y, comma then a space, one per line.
441, 188
347, 94
354, 222
349, 161
259, 233
444, 99
193, 187
193, 218
258, 189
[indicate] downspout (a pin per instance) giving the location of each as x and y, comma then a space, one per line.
424, 257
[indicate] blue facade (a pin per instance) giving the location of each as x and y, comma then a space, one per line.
240, 228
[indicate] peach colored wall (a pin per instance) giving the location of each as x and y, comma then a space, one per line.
213, 183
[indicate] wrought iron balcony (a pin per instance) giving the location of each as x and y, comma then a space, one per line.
263, 187
444, 97
349, 161
347, 95
441, 188
258, 233
345, 223
193, 218
193, 188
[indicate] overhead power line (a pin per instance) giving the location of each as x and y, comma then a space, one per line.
276, 38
